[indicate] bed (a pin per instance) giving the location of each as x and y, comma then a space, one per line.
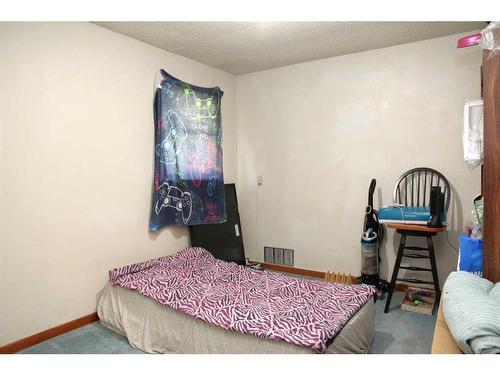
138, 312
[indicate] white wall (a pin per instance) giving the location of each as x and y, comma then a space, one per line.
318, 132
76, 165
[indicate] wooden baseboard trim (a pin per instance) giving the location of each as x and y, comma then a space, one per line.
312, 273
293, 270
37, 338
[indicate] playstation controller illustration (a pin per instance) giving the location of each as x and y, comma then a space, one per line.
171, 196
199, 109
177, 134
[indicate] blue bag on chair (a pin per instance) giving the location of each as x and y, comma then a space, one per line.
471, 255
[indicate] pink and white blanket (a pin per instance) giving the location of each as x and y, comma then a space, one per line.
304, 312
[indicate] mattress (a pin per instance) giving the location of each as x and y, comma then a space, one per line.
155, 328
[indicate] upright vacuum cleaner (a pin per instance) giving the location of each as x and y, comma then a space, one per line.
371, 239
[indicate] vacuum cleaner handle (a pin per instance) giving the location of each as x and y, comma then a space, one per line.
370, 221
371, 191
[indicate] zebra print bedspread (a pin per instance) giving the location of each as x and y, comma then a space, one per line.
304, 312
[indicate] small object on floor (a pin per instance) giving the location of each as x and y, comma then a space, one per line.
382, 289
381, 285
255, 266
339, 278
419, 300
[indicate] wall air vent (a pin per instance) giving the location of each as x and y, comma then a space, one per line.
278, 255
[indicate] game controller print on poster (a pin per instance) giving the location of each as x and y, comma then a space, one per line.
202, 108
176, 135
171, 196
188, 173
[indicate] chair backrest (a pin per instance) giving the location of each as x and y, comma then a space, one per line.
413, 188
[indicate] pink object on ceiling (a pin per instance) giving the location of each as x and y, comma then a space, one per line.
469, 40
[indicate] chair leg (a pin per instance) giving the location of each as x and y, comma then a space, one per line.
395, 271
435, 278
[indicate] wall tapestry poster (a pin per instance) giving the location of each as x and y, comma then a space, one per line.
188, 186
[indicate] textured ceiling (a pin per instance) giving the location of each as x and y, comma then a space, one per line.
243, 47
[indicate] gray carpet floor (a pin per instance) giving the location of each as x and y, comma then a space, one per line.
402, 332
396, 332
